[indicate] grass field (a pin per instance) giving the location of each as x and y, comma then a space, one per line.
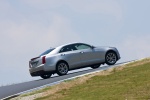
127, 82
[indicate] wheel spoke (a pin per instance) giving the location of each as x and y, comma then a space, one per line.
111, 58
63, 68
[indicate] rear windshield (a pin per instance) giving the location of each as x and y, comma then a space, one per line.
47, 51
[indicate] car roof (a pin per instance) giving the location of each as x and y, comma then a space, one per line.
57, 49
70, 44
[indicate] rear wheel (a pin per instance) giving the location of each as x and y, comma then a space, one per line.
46, 76
62, 68
111, 58
95, 66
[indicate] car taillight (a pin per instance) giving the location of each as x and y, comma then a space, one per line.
34, 58
29, 65
43, 59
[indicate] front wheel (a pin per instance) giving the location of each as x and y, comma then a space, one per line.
111, 58
46, 76
95, 66
62, 68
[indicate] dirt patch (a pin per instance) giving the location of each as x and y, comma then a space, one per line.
56, 88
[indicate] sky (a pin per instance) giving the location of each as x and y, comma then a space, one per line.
29, 27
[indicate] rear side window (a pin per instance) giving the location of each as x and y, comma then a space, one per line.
65, 49
47, 51
68, 48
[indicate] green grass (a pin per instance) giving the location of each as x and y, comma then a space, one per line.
132, 83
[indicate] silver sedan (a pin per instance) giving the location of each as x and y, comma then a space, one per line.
71, 56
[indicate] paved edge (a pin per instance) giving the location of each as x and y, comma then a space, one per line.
54, 83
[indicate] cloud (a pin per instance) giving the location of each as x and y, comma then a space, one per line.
29, 34
135, 47
110, 8
4, 5
46, 4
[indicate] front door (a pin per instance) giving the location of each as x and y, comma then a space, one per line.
87, 54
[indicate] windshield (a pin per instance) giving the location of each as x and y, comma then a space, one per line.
47, 51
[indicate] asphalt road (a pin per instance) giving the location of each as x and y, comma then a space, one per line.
6, 91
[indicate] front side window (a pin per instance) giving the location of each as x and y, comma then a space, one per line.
82, 46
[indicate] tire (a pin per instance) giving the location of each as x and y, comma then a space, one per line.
110, 58
62, 68
46, 76
95, 66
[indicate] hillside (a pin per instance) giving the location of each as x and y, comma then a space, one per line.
126, 82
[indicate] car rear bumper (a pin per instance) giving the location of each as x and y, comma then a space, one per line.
37, 73
40, 70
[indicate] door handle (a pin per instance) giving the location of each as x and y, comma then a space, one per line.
81, 52
62, 54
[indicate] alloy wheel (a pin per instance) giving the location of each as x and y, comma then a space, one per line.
62, 68
111, 58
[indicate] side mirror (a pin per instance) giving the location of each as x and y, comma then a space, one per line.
92, 47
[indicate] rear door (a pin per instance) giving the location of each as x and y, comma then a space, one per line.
71, 55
